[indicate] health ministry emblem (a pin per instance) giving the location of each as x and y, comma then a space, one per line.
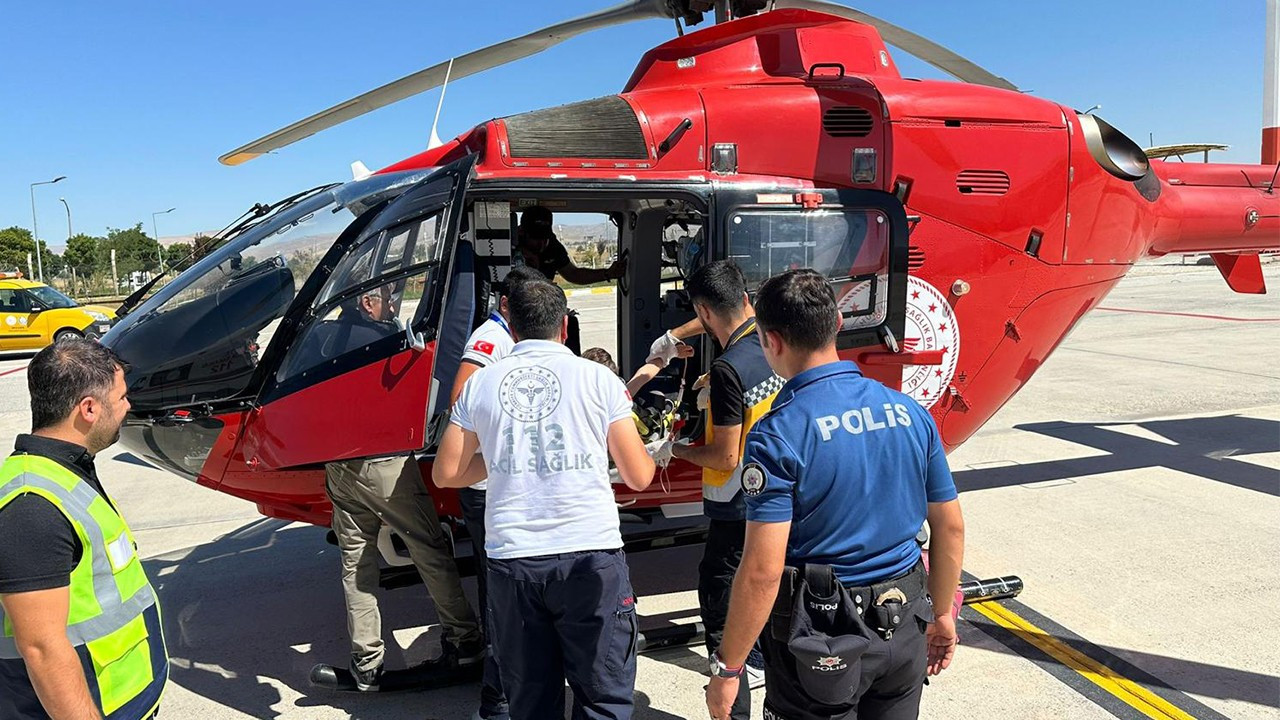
529, 394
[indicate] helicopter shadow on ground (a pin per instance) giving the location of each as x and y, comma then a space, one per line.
1201, 446
1205, 447
264, 601
127, 457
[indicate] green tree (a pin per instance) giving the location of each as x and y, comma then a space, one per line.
82, 254
303, 262
16, 243
135, 250
53, 264
176, 255
204, 244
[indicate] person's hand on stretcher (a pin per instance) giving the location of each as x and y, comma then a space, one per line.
655, 364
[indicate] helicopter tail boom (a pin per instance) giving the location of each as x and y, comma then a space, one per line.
1231, 212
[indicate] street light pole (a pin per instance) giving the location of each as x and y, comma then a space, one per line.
68, 207
154, 232
35, 232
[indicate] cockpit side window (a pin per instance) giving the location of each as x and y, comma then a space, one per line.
374, 292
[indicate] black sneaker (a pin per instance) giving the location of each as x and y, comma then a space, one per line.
469, 653
366, 680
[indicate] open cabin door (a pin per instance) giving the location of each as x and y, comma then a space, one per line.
360, 344
856, 238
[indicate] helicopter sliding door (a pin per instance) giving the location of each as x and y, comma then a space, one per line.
355, 376
856, 238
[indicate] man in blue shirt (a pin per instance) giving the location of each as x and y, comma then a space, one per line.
838, 479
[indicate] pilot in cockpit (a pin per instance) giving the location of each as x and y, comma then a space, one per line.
371, 317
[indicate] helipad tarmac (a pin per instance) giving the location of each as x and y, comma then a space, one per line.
1133, 485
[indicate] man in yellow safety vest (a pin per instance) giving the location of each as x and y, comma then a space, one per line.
80, 630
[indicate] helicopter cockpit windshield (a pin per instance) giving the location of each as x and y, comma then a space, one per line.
197, 340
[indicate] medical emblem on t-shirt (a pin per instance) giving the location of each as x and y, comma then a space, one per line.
529, 394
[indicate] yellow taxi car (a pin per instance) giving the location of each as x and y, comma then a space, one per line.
33, 315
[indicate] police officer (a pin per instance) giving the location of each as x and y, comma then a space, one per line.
79, 621
838, 479
545, 424
488, 343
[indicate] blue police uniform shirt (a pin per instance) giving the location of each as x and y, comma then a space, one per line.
852, 465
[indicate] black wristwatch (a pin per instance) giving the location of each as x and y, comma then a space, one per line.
720, 670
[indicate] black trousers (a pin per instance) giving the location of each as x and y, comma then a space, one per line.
573, 340
493, 702
720, 560
558, 617
888, 685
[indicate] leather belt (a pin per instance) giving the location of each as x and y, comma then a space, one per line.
912, 584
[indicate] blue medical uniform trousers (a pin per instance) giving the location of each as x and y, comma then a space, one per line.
569, 616
493, 702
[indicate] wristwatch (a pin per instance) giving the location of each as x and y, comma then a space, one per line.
719, 669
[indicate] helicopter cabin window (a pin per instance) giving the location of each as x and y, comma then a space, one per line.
373, 294
849, 247
584, 240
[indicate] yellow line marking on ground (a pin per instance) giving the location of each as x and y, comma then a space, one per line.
608, 290
1133, 694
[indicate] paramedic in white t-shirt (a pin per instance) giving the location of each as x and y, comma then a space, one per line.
488, 344
546, 423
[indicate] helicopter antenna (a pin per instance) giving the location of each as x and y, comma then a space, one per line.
434, 142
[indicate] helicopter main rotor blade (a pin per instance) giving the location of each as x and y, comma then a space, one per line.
469, 64
925, 49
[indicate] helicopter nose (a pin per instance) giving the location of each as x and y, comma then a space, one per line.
180, 441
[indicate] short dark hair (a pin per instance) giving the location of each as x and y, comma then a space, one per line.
66, 372
602, 356
537, 310
536, 223
520, 274
800, 307
719, 285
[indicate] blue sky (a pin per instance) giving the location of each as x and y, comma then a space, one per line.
134, 101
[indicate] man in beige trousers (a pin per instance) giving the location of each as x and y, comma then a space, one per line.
367, 494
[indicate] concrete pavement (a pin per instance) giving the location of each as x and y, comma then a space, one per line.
1132, 484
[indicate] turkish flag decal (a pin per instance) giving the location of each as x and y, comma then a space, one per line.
484, 347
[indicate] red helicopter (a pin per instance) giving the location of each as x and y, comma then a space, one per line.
966, 228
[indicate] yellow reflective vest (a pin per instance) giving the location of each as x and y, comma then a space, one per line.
114, 618
720, 489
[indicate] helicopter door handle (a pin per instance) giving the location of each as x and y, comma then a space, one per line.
815, 77
890, 341
414, 339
